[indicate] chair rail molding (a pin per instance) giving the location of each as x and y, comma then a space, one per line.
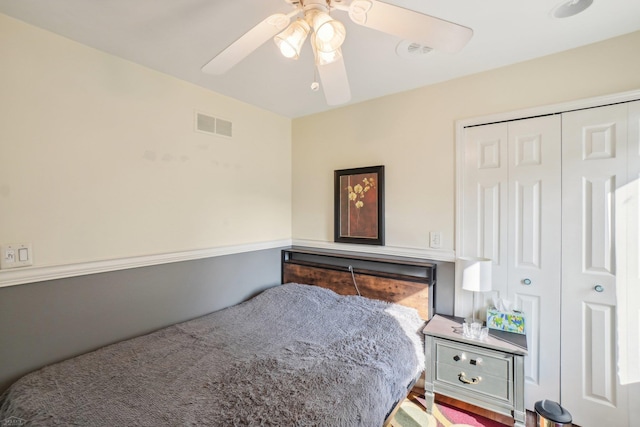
431, 254
21, 276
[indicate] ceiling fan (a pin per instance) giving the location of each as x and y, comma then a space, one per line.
327, 35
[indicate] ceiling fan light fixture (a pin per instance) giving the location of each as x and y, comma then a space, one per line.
324, 58
330, 33
290, 41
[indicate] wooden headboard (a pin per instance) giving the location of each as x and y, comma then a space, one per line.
407, 281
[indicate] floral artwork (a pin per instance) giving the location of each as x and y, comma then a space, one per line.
359, 205
362, 218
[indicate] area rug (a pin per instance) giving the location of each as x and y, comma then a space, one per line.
450, 416
413, 414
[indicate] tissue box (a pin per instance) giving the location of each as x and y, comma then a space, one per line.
508, 321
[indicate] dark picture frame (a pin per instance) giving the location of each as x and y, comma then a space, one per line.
359, 205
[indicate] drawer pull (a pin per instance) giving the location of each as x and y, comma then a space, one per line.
459, 357
463, 378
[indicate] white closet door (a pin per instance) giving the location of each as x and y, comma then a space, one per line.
594, 166
511, 214
627, 257
534, 247
628, 275
485, 204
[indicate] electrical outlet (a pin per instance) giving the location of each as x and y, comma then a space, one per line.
14, 255
435, 239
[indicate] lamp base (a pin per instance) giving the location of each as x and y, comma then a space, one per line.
474, 329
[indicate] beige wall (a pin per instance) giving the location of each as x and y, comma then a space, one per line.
413, 135
99, 158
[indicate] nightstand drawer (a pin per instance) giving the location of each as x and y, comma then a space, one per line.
482, 383
487, 373
474, 361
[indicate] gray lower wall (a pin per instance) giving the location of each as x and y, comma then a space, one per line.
445, 287
42, 323
46, 322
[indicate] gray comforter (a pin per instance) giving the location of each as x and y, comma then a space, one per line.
295, 355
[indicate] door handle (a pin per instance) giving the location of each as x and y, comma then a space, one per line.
598, 288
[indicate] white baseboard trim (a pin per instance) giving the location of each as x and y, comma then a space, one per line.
430, 254
21, 276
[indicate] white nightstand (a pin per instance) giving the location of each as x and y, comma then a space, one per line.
487, 373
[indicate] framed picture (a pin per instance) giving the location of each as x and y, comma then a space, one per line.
359, 205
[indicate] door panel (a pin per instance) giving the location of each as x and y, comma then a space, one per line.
485, 206
628, 264
599, 375
530, 304
511, 214
534, 247
528, 208
488, 237
594, 167
597, 210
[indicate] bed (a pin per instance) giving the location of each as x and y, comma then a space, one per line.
294, 355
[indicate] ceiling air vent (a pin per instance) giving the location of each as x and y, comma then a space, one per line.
410, 50
213, 125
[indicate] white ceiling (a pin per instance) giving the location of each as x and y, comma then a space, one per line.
178, 37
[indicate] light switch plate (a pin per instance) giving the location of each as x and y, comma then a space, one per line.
13, 255
435, 239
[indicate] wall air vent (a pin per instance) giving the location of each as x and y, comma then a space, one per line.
213, 125
224, 128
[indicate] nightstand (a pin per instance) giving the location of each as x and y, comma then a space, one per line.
486, 373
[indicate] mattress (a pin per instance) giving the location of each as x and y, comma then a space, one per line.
294, 355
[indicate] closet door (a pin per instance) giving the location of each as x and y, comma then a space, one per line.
628, 265
628, 286
484, 204
511, 214
594, 168
534, 247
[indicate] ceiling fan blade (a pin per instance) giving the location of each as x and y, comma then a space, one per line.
335, 83
410, 25
246, 44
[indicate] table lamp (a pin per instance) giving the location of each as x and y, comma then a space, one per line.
475, 276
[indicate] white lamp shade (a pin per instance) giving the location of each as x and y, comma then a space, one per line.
475, 274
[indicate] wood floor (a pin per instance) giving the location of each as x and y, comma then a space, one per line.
417, 396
